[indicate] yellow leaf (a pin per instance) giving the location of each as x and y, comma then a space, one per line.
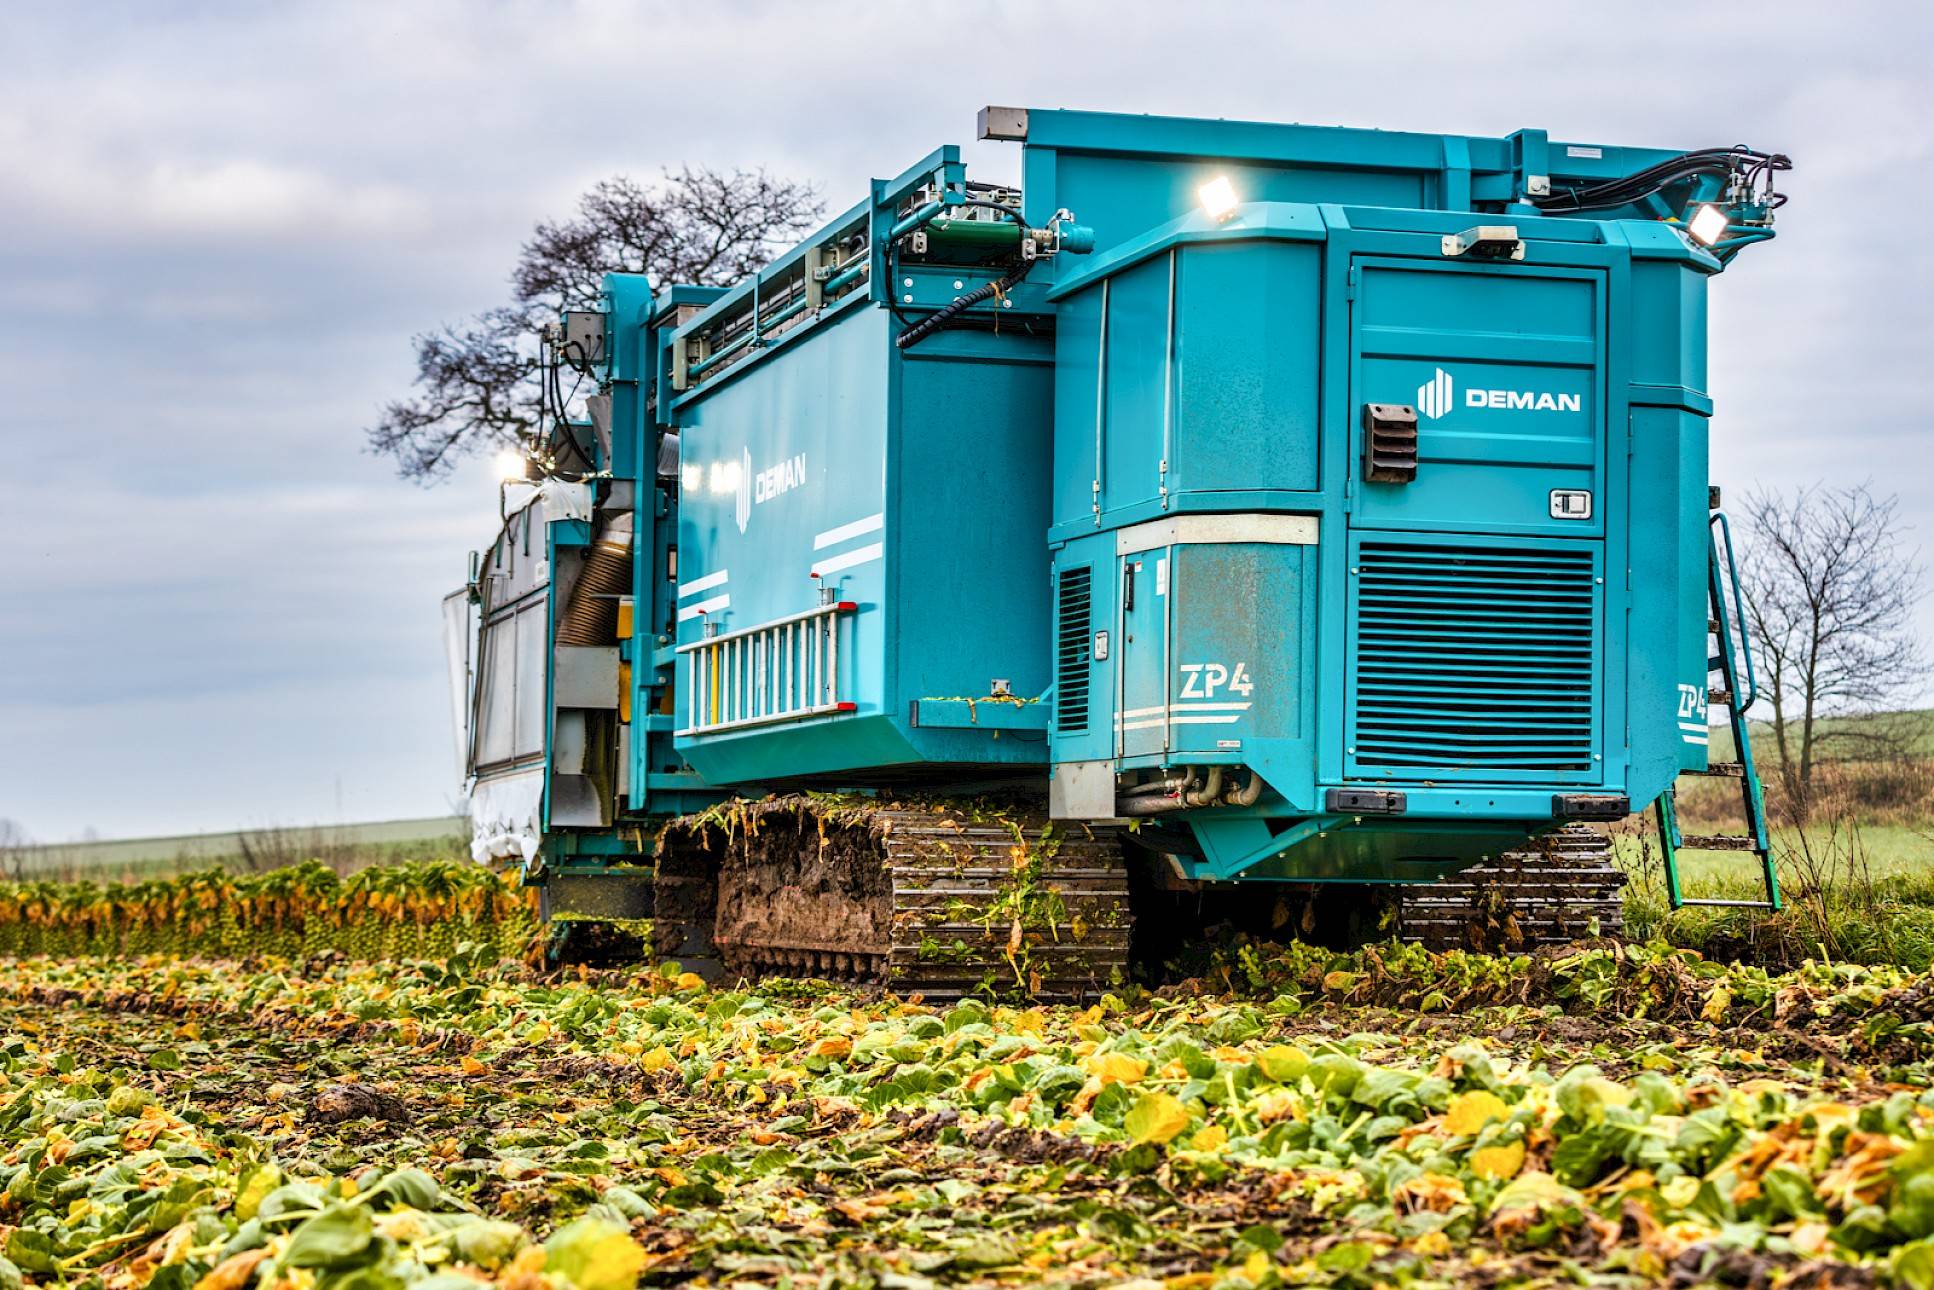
833, 1046
538, 1033
1283, 1063
594, 1254
1273, 1104
1116, 1068
1716, 1004
657, 1059
471, 1066
1501, 1161
690, 981
260, 1183
1157, 1117
1256, 1266
234, 1272
1211, 1137
1471, 1111
1432, 1245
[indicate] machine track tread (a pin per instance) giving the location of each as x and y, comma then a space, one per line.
941, 899
1555, 889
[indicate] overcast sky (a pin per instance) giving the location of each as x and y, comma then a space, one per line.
222, 224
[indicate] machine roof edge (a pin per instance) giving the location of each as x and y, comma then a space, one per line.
1251, 222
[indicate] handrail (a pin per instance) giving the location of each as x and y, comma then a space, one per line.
783, 670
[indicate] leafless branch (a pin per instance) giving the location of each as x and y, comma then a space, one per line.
477, 385
1831, 589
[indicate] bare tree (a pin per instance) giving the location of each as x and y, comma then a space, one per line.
15, 846
1831, 591
478, 384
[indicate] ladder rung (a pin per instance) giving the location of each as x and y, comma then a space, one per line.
1729, 769
1717, 842
1729, 904
1722, 697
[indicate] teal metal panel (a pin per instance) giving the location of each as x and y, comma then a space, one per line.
1247, 347
1666, 689
1505, 367
1134, 401
783, 476
1142, 693
972, 442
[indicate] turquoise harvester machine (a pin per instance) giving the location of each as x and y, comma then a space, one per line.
1333, 503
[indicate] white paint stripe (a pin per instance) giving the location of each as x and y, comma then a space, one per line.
1185, 707
702, 584
716, 603
1694, 739
833, 537
1205, 719
847, 559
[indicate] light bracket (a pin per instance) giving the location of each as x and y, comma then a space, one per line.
1486, 242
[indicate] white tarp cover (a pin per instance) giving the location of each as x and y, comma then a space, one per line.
560, 499
456, 653
504, 809
503, 816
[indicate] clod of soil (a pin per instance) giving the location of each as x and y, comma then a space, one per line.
336, 1103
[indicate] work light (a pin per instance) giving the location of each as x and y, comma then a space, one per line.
1708, 224
1218, 197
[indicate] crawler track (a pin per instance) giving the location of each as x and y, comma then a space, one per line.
939, 901
1559, 888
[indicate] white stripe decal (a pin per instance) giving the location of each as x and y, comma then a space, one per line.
716, 603
697, 585
847, 559
833, 537
1185, 707
1694, 739
1207, 719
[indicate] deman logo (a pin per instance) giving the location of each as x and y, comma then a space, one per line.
1437, 396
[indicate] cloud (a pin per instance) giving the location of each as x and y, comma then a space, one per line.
224, 222
69, 186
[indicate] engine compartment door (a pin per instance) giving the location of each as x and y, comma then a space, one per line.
1505, 367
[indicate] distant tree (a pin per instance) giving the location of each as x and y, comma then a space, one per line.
477, 383
1831, 590
14, 848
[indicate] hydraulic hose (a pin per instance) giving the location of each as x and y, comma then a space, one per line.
1211, 789
1249, 794
943, 317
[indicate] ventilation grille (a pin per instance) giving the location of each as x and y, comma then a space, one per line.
1073, 622
1474, 661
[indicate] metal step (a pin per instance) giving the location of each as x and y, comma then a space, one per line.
1729, 904
1717, 842
1722, 698
1725, 769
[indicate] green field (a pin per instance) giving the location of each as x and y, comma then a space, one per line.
343, 847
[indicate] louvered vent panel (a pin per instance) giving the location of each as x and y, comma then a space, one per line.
1073, 622
1474, 659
